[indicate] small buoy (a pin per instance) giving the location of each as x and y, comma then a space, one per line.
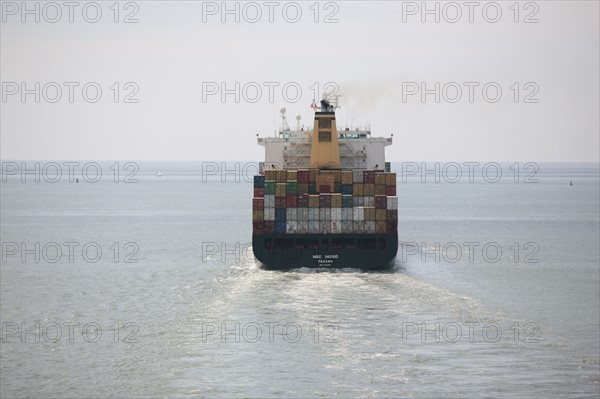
571, 183
76, 180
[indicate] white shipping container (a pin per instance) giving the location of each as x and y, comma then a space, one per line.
359, 200
291, 226
302, 214
347, 226
313, 214
369, 201
302, 227
325, 214
392, 203
336, 214
358, 214
325, 226
336, 227
314, 226
269, 201
347, 214
269, 214
291, 214
357, 176
370, 226
359, 227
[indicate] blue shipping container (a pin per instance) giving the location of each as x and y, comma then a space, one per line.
280, 227
259, 181
280, 214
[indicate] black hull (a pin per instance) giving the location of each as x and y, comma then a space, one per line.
362, 251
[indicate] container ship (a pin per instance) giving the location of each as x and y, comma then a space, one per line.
324, 198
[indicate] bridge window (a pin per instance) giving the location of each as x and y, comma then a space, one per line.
325, 123
324, 136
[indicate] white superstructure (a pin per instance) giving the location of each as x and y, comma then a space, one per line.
358, 150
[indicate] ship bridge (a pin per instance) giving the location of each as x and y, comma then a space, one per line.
358, 149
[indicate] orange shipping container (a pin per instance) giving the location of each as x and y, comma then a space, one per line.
358, 189
292, 174
313, 201
369, 213
258, 216
270, 174
336, 200
346, 177
280, 190
281, 176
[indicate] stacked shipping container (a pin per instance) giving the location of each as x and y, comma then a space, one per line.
308, 201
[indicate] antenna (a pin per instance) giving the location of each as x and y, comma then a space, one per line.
284, 124
298, 117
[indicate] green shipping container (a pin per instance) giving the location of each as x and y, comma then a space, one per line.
269, 188
291, 187
312, 188
347, 201
302, 188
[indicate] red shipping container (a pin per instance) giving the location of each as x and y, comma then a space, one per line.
380, 202
291, 201
280, 202
324, 188
258, 204
302, 176
259, 192
390, 191
258, 227
269, 227
303, 201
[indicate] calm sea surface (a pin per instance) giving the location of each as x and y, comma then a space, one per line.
149, 289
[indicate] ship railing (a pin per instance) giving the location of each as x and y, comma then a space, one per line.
296, 152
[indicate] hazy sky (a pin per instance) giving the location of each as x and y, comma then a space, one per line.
380, 54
